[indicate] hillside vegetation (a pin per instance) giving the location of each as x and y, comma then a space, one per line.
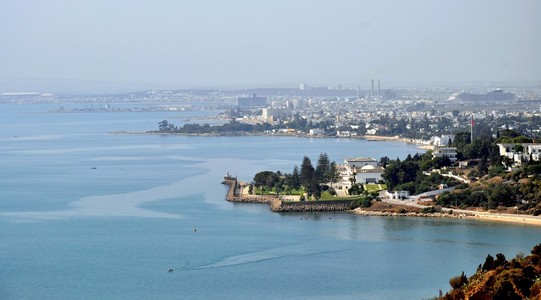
497, 278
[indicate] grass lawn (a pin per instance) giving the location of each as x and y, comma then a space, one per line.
374, 187
327, 196
259, 191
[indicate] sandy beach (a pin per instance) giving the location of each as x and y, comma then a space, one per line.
461, 214
508, 218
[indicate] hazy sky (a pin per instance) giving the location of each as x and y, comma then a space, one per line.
219, 43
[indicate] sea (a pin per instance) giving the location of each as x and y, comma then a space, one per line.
89, 214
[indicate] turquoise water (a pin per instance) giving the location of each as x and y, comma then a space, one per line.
87, 214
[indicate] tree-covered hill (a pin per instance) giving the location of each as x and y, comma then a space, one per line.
498, 278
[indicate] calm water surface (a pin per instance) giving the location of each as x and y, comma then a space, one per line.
88, 214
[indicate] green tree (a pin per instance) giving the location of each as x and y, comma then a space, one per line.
461, 140
295, 179
307, 172
322, 168
163, 125
265, 178
314, 189
356, 189
334, 175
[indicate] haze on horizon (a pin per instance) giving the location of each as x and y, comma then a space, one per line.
212, 43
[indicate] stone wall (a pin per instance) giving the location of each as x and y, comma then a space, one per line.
277, 205
307, 206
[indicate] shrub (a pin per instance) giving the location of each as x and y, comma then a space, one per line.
489, 263
366, 202
535, 290
428, 210
458, 281
536, 249
361, 202
332, 191
500, 260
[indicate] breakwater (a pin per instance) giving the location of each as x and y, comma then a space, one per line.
364, 212
235, 195
309, 206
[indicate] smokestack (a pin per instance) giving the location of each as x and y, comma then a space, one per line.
379, 89
372, 93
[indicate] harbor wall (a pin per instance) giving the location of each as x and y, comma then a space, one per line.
235, 195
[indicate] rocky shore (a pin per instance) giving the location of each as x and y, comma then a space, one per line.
363, 212
312, 206
235, 195
378, 209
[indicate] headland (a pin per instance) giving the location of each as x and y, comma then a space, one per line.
379, 208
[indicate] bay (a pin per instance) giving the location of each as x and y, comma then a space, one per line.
89, 214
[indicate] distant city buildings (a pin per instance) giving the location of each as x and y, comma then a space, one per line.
252, 102
496, 95
272, 114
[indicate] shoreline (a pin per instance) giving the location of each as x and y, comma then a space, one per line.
506, 218
277, 205
477, 216
369, 138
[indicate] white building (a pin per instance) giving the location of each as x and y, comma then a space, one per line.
271, 114
443, 140
401, 195
316, 131
365, 169
360, 162
368, 174
449, 152
372, 131
346, 133
521, 152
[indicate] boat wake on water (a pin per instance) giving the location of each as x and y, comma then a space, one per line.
256, 257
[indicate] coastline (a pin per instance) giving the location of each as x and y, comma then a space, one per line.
507, 218
380, 138
478, 216
278, 205
371, 138
235, 194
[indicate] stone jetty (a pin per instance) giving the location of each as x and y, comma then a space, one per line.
364, 212
235, 195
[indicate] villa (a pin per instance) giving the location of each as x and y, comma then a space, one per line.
521, 152
365, 169
449, 152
